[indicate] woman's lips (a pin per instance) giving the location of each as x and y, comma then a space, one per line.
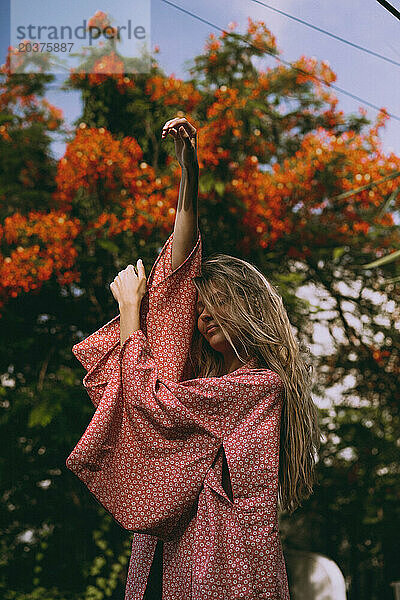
212, 329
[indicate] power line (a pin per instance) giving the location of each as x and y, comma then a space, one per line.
331, 85
390, 8
324, 31
285, 62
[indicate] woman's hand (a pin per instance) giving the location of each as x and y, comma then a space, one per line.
128, 288
185, 138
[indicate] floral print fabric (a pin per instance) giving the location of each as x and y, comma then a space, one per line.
152, 453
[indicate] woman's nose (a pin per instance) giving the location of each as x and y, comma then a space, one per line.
204, 316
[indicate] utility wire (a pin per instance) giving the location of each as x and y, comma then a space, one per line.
390, 8
285, 62
331, 85
333, 35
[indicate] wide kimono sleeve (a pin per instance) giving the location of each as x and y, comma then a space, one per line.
152, 441
167, 317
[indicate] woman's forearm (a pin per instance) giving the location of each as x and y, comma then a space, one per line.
129, 320
186, 219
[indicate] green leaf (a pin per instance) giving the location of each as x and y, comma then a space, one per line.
206, 183
6, 118
337, 252
220, 188
109, 246
43, 413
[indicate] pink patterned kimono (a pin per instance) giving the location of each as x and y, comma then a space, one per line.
153, 451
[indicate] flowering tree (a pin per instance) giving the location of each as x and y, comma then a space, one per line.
287, 181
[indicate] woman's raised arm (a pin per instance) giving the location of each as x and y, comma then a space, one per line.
186, 218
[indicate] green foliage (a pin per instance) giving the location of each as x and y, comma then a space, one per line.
40, 593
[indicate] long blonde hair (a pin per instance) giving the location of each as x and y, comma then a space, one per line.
249, 309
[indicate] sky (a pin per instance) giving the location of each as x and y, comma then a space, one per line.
181, 37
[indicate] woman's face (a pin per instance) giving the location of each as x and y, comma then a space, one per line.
209, 328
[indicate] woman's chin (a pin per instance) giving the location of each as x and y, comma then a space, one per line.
218, 344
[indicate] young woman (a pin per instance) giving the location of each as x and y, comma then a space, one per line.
204, 419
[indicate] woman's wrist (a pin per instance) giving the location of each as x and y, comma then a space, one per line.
130, 305
129, 319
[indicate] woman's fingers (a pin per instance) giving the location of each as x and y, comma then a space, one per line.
184, 134
173, 123
140, 268
165, 128
170, 130
188, 127
185, 123
130, 284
